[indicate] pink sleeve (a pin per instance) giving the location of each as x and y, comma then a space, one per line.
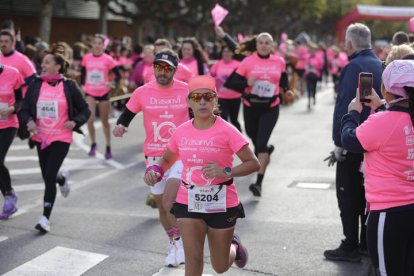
369, 135
28, 68
213, 70
283, 65
19, 81
111, 63
172, 143
237, 140
242, 69
134, 103
83, 62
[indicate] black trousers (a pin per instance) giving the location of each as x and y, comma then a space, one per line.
259, 124
50, 160
390, 238
351, 201
311, 83
6, 138
230, 110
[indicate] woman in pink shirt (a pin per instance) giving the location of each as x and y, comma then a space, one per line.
229, 100
53, 108
11, 82
192, 56
387, 141
207, 203
94, 78
312, 72
261, 77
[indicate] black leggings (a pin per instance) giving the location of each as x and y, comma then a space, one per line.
311, 82
230, 108
50, 160
6, 139
390, 238
259, 124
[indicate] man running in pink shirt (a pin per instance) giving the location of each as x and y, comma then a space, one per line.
164, 106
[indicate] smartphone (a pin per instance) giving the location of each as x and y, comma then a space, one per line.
365, 82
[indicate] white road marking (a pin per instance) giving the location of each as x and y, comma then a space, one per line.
311, 185
21, 158
3, 238
35, 170
166, 271
31, 187
19, 147
59, 261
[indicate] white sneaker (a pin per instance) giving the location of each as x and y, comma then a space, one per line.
65, 188
180, 251
171, 260
43, 225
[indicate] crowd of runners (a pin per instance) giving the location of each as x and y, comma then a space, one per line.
190, 97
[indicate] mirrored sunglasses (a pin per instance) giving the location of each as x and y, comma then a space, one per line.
196, 97
163, 68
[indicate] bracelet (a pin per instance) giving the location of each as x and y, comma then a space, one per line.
156, 168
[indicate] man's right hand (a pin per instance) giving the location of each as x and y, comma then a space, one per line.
337, 155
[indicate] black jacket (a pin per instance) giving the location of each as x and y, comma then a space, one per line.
77, 107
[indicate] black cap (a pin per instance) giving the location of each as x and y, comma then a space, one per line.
167, 58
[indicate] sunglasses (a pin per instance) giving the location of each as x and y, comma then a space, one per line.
196, 97
165, 68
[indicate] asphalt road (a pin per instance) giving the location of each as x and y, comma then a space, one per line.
105, 228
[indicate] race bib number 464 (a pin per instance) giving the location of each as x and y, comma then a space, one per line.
47, 110
207, 199
263, 89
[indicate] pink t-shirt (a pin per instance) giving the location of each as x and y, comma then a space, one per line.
267, 71
314, 65
302, 54
196, 148
388, 138
163, 110
52, 114
10, 80
97, 70
19, 61
191, 64
221, 71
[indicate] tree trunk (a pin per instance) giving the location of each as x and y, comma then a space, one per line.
46, 20
103, 14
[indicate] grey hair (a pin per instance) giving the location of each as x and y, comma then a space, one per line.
359, 35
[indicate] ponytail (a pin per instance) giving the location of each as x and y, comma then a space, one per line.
410, 92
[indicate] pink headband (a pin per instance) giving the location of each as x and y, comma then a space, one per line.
396, 75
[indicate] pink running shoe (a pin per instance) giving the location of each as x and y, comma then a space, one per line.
241, 253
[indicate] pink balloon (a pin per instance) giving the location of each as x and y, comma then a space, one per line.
411, 24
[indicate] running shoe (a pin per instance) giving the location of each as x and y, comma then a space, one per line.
241, 252
92, 151
108, 154
171, 260
151, 201
339, 254
43, 225
256, 189
180, 251
63, 181
9, 206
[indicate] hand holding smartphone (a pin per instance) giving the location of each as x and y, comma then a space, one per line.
365, 82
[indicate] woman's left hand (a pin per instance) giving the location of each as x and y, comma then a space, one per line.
355, 104
212, 170
70, 125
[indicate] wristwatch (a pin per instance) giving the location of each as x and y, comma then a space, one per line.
228, 171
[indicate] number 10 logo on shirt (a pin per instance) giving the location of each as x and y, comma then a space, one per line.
158, 131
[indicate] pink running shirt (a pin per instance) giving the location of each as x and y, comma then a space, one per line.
10, 80
19, 61
268, 70
97, 70
52, 114
163, 110
388, 138
191, 64
221, 71
196, 148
